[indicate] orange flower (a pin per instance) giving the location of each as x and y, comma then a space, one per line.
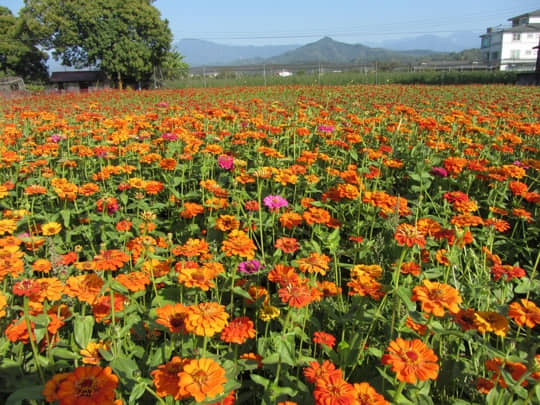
333, 390
435, 297
287, 245
227, 223
410, 268
407, 234
166, 378
297, 294
290, 219
315, 263
192, 248
411, 360
134, 281
203, 379
91, 353
87, 385
317, 371
110, 260
488, 321
365, 394
192, 275
366, 285
316, 215
191, 210
172, 316
102, 307
238, 243
3, 304
206, 318
84, 288
238, 330
323, 338
524, 314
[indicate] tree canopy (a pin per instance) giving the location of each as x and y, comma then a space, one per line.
126, 39
19, 57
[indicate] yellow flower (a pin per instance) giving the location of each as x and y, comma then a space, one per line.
3, 304
51, 228
268, 312
7, 226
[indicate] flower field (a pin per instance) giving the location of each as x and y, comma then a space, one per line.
281, 245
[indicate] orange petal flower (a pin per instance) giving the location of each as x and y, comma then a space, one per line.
166, 378
411, 360
203, 379
238, 330
88, 385
435, 297
172, 316
206, 318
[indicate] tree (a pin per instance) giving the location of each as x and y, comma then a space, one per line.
19, 57
173, 67
126, 39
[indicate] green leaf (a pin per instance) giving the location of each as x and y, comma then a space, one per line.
82, 328
265, 382
62, 353
405, 295
137, 392
66, 217
124, 368
24, 394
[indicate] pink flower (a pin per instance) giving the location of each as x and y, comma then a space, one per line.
225, 162
275, 202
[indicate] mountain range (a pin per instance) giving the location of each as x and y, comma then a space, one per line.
200, 52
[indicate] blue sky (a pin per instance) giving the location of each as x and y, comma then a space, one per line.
251, 22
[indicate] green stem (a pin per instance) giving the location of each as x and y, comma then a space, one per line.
31, 338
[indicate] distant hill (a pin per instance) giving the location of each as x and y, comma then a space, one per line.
197, 52
455, 42
331, 51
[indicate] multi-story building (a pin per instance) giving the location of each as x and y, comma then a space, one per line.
514, 47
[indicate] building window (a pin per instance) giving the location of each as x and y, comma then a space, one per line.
528, 52
494, 55
516, 36
530, 36
514, 54
485, 42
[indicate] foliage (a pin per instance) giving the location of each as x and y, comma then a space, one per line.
126, 39
19, 56
315, 244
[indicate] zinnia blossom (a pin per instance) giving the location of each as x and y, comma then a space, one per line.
250, 266
409, 235
87, 385
323, 338
435, 297
275, 202
226, 162
411, 360
203, 379
366, 395
238, 330
166, 378
50, 228
238, 243
524, 314
206, 318
287, 245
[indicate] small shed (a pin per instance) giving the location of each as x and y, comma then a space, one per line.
79, 80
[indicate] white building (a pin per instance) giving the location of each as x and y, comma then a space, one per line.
512, 48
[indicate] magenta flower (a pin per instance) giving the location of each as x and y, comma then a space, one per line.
225, 162
169, 136
439, 171
325, 128
250, 266
275, 202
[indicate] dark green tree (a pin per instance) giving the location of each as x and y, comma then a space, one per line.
126, 39
19, 56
